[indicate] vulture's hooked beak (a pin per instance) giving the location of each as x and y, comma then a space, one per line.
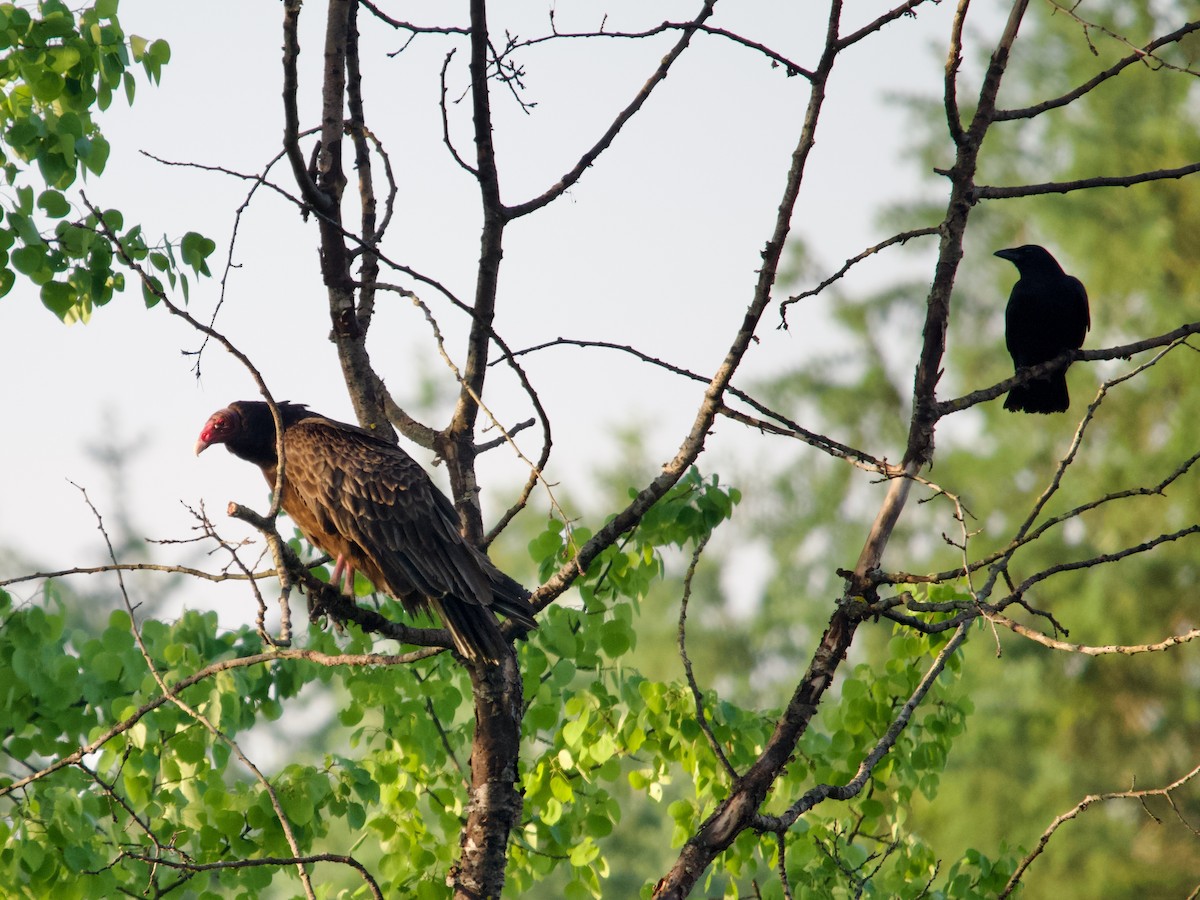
215, 431
207, 435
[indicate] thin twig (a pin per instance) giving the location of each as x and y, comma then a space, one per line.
697, 695
903, 238
882, 747
1081, 806
995, 192
257, 659
350, 861
1105, 650
195, 714
605, 141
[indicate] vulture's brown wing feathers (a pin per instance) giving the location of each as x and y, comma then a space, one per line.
367, 503
357, 496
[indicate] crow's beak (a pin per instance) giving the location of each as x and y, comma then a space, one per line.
1010, 255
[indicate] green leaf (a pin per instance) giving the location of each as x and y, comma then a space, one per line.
45, 83
93, 153
160, 51
615, 638
113, 219
194, 249
574, 730
30, 259
561, 789
25, 200
54, 204
584, 852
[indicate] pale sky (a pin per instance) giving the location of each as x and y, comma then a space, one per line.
657, 245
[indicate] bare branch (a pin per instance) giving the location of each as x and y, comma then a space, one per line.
859, 458
697, 696
291, 128
356, 128
1081, 806
781, 849
1103, 558
1124, 351
1138, 55
1085, 650
408, 26
137, 567
882, 747
790, 67
902, 238
989, 192
463, 164
588, 158
907, 8
299, 861
111, 791
953, 64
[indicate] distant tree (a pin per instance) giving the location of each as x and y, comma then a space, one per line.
127, 769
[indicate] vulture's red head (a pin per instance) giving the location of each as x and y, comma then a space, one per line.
247, 429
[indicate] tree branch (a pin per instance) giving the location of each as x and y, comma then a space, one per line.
990, 192
1085, 650
588, 158
258, 659
1081, 806
903, 238
697, 696
882, 747
291, 116
1138, 55
194, 867
193, 713
790, 67
1124, 351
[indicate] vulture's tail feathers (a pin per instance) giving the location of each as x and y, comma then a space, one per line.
511, 600
475, 631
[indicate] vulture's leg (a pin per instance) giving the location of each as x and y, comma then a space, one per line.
343, 576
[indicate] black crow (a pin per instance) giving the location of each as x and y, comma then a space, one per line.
1047, 315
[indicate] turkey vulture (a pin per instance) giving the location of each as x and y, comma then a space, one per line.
368, 504
1047, 315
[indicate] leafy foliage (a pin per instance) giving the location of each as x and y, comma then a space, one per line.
57, 70
595, 729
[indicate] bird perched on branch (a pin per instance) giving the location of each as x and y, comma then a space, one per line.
368, 504
1047, 315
